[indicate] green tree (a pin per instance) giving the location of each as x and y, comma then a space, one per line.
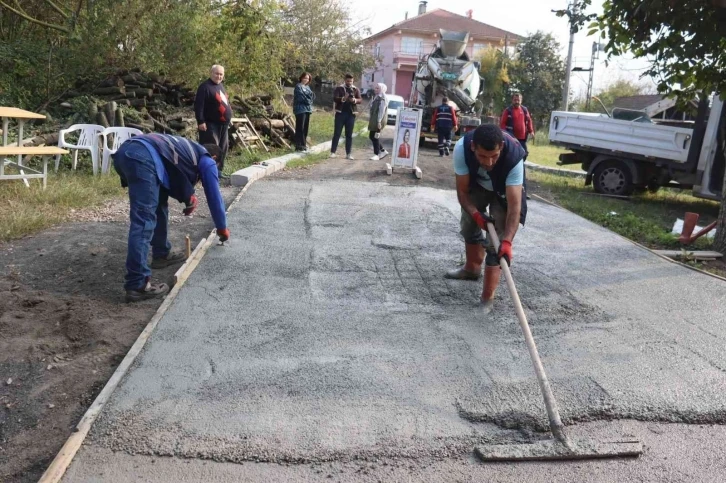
46, 45
495, 79
322, 38
686, 45
539, 74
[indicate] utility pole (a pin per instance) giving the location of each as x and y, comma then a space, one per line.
568, 67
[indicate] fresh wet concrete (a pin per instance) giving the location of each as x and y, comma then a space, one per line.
324, 338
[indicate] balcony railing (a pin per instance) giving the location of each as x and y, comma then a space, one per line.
407, 57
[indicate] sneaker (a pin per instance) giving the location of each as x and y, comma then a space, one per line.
333, 155
383, 154
149, 291
446, 151
375, 158
349, 156
170, 260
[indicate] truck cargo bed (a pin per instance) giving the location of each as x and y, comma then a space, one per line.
578, 130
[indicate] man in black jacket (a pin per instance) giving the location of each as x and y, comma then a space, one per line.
214, 113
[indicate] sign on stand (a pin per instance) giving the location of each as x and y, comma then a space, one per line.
405, 144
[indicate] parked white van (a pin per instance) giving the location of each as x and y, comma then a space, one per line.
394, 103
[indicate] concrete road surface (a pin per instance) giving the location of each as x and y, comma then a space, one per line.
324, 344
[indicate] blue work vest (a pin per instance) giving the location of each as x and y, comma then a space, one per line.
511, 154
444, 117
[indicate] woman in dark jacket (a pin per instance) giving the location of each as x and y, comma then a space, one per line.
302, 106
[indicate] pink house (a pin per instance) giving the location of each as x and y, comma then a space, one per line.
399, 47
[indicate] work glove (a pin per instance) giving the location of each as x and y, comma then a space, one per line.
505, 251
223, 234
191, 205
481, 219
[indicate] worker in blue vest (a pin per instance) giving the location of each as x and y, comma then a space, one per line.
444, 122
155, 167
489, 171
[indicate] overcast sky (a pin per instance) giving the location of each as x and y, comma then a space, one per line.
519, 16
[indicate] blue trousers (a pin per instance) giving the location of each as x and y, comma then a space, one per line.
444, 138
149, 214
343, 120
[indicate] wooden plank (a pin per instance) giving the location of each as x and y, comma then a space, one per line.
696, 254
19, 113
32, 150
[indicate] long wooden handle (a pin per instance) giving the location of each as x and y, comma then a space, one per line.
556, 426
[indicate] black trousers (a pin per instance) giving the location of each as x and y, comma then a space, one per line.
217, 134
343, 120
302, 123
375, 139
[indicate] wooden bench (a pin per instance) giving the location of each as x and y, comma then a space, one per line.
45, 151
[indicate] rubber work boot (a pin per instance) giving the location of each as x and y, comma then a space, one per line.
149, 291
170, 260
472, 268
491, 281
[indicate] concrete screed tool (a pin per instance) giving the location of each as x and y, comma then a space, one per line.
561, 447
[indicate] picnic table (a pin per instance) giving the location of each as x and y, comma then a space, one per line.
21, 117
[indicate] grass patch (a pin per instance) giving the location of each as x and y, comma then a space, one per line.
545, 154
307, 160
29, 210
646, 218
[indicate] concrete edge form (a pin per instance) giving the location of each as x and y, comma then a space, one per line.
719, 277
57, 468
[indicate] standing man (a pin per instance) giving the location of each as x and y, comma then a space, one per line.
444, 122
517, 121
489, 167
214, 114
346, 97
155, 167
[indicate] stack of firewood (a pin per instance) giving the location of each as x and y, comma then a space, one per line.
148, 93
153, 102
137, 89
279, 127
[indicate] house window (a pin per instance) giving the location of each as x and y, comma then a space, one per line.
411, 45
377, 51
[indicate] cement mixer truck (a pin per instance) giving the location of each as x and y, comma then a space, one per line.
448, 71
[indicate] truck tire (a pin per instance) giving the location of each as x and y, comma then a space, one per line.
613, 177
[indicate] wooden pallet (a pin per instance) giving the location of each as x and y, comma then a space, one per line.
244, 134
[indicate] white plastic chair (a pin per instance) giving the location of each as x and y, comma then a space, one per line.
87, 141
120, 135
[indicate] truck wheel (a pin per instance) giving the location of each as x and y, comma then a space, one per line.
613, 178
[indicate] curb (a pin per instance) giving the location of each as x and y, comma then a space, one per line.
247, 175
557, 171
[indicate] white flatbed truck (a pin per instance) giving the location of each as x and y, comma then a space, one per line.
629, 151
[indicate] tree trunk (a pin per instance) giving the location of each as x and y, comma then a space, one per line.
109, 90
719, 243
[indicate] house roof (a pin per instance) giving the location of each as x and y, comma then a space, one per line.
637, 103
438, 18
